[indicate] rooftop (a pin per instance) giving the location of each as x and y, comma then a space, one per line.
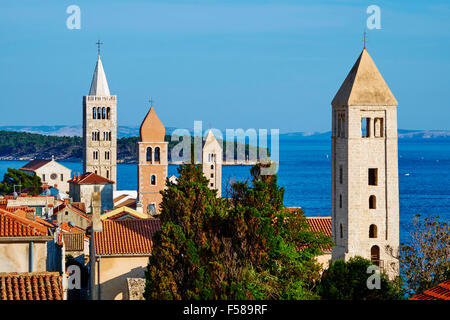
35, 164
126, 237
12, 225
31, 286
439, 292
90, 178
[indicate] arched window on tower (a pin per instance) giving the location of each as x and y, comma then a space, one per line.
340, 201
373, 231
103, 113
153, 180
375, 255
341, 231
108, 113
99, 113
157, 154
94, 113
149, 154
372, 202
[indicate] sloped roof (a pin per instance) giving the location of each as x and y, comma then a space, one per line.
90, 178
364, 85
211, 141
126, 237
73, 241
152, 129
130, 203
124, 212
72, 208
31, 286
99, 85
439, 292
35, 164
12, 225
320, 224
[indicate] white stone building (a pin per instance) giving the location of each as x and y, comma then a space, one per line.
212, 163
51, 172
365, 196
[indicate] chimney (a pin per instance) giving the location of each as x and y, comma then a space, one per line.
96, 212
66, 201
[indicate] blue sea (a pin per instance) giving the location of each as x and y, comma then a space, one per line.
305, 168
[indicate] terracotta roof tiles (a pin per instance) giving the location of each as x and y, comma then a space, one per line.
35, 164
31, 286
126, 237
12, 225
73, 241
439, 292
90, 178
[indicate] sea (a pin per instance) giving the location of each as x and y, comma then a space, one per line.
305, 173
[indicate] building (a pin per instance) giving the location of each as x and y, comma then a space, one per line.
42, 205
23, 244
152, 164
73, 215
31, 286
439, 292
82, 187
100, 128
124, 213
365, 196
51, 173
119, 250
212, 163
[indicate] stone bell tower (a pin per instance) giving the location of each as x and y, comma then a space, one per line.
100, 128
212, 163
365, 196
152, 165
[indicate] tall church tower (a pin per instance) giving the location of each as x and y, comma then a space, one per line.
365, 197
152, 165
100, 128
212, 163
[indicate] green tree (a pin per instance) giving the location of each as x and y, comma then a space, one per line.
347, 280
425, 260
246, 247
18, 177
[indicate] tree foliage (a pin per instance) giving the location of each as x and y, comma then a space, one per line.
425, 259
246, 247
18, 177
347, 280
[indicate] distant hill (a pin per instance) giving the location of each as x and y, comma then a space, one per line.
412, 135
16, 145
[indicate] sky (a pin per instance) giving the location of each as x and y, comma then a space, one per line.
231, 64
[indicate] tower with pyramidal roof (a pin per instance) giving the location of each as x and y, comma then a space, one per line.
100, 128
365, 197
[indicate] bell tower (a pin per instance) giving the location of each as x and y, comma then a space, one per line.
100, 128
152, 165
212, 163
365, 196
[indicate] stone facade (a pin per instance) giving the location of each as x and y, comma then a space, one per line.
365, 197
152, 165
54, 174
82, 192
212, 163
100, 128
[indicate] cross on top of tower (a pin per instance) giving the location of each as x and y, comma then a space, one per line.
98, 43
364, 38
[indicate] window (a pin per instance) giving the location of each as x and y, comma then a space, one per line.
372, 202
43, 177
212, 175
379, 127
212, 166
211, 184
95, 171
106, 155
151, 209
67, 213
373, 177
109, 136
157, 154
94, 113
149, 154
99, 113
341, 175
340, 201
103, 113
108, 113
53, 176
341, 231
153, 180
62, 177
341, 124
375, 255
365, 127
96, 189
372, 231
107, 174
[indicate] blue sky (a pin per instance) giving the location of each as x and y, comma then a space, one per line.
231, 64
